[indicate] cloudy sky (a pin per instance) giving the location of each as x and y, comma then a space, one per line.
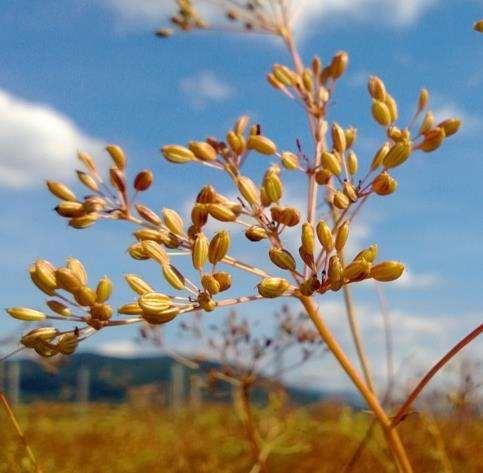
80, 74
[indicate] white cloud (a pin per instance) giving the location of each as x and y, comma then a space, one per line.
205, 87
36, 142
306, 12
410, 280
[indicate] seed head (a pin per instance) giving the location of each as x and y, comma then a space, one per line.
398, 154
173, 221
289, 160
137, 284
341, 236
324, 235
200, 251
61, 191
381, 113
249, 190
104, 289
173, 277
255, 233
357, 270
331, 163
224, 280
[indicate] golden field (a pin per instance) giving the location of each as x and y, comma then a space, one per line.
140, 438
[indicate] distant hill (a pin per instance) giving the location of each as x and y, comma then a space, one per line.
111, 380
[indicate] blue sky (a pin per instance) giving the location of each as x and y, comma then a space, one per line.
81, 74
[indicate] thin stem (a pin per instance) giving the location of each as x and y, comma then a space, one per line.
357, 337
16, 426
403, 410
392, 436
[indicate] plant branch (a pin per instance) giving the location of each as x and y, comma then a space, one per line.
403, 410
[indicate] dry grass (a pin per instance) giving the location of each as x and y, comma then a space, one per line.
136, 439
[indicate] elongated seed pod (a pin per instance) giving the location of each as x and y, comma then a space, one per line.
200, 251
219, 246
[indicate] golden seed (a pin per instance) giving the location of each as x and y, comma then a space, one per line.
387, 271
224, 280
322, 176
161, 317
261, 144
289, 160
352, 163
25, 314
137, 252
273, 287
132, 308
249, 190
78, 269
384, 184
88, 181
87, 161
203, 150
177, 154
335, 273
450, 126
285, 75
117, 155
31, 338
427, 123
137, 284
432, 140
282, 258
341, 236
338, 64
274, 82
143, 180
350, 191
338, 138
376, 88
369, 254
219, 246
478, 26
350, 136
423, 99
392, 107
288, 216
379, 156
147, 214
200, 251
357, 270
67, 279
44, 278
69, 209
236, 142
398, 154
206, 302
104, 289
154, 250
61, 191
341, 201
381, 113
148, 234
331, 163
206, 195
173, 277
85, 296
241, 124
324, 235
117, 179
273, 187
210, 284
255, 233
67, 343
84, 221
308, 238
154, 302
59, 308
173, 221
221, 212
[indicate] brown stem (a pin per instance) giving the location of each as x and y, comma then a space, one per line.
403, 410
18, 429
246, 414
392, 436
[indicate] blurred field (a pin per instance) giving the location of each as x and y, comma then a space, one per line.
127, 438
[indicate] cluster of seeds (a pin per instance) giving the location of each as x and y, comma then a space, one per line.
106, 200
70, 299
